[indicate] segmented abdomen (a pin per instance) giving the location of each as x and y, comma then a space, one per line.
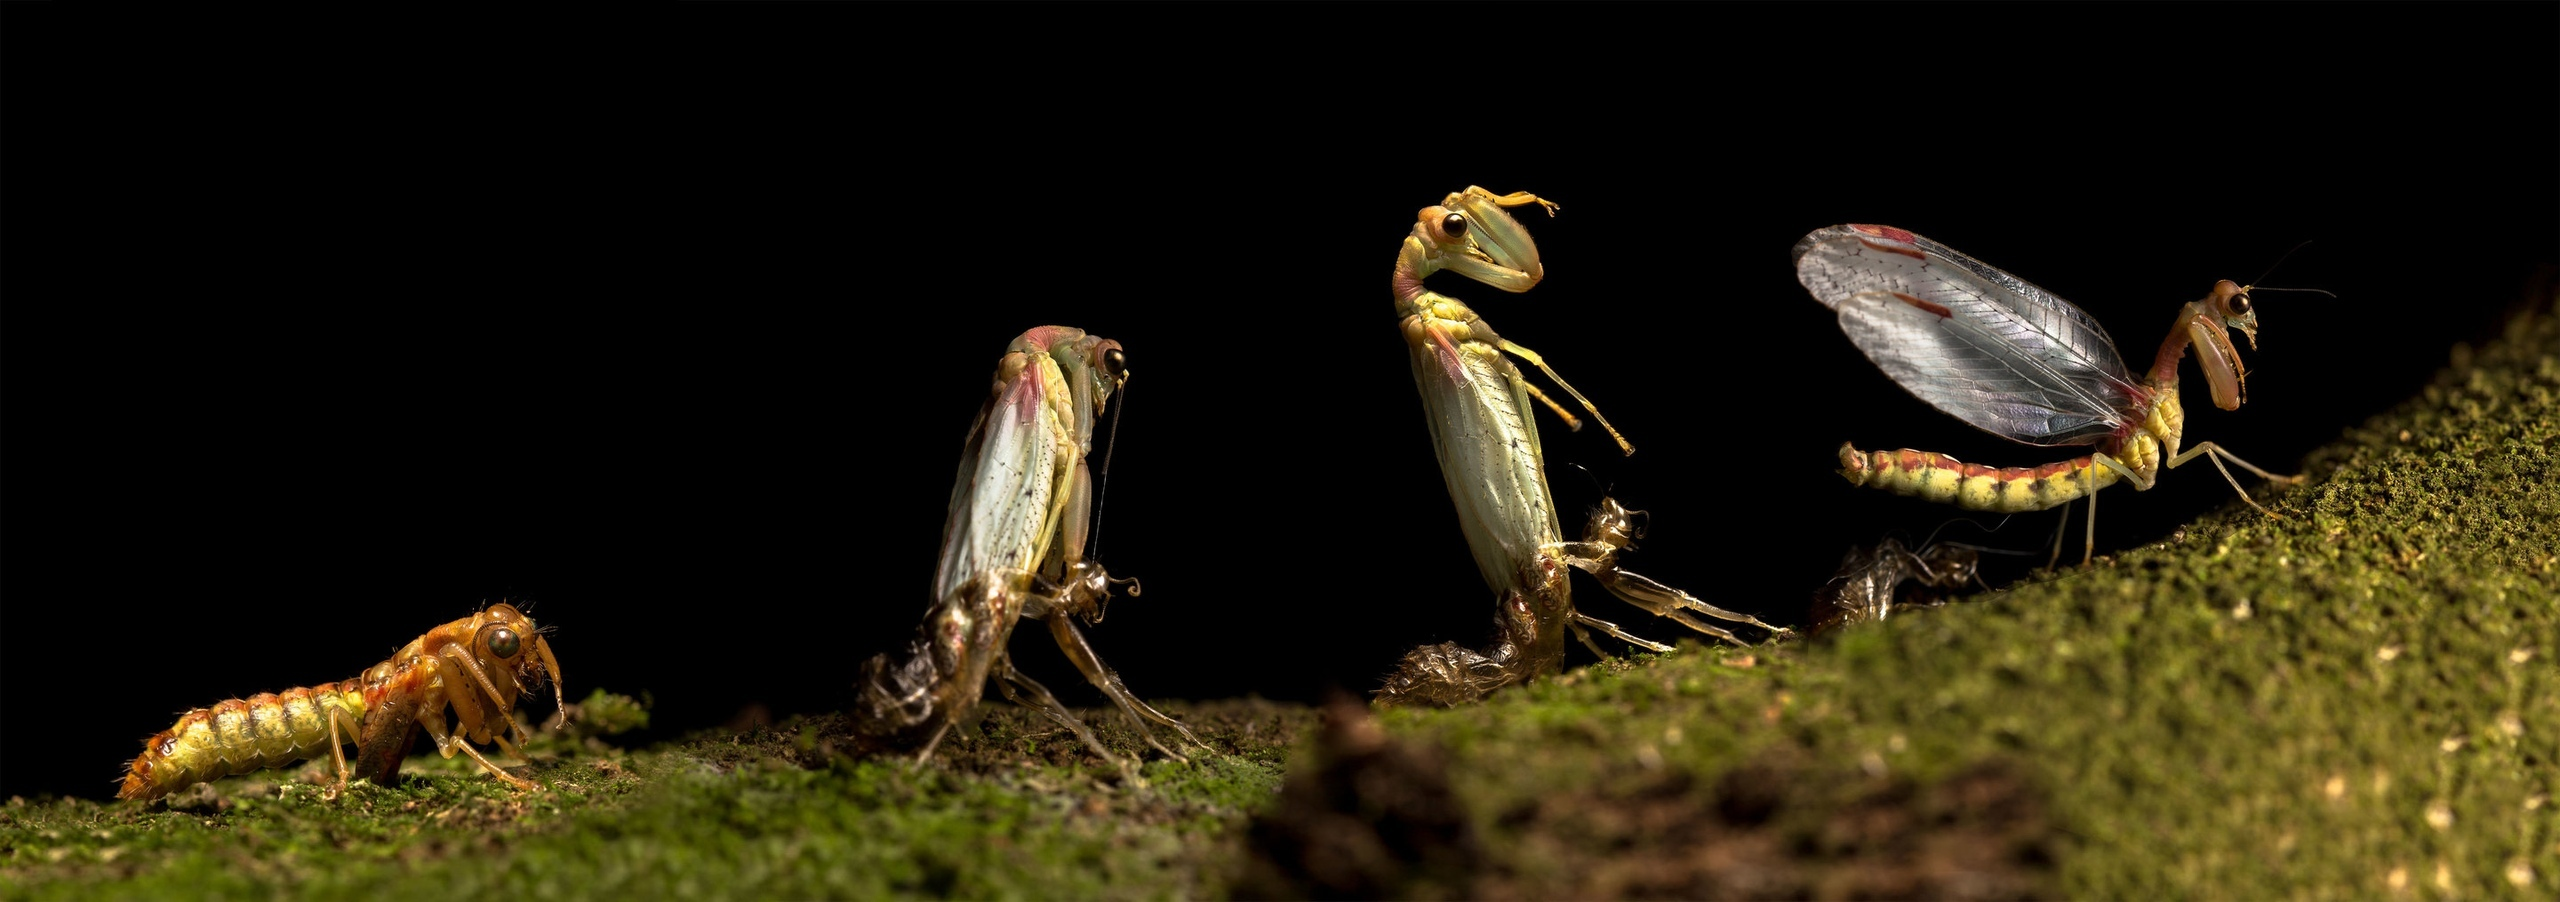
1937, 477
241, 735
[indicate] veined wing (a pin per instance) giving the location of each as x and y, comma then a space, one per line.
1984, 346
1489, 456
1000, 502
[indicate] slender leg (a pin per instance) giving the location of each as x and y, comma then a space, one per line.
2089, 535
1071, 641
342, 730
449, 743
1541, 364
1025, 691
1515, 199
2061, 531
1599, 560
1585, 635
2218, 455
1581, 620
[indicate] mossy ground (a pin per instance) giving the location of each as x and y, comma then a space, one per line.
2353, 701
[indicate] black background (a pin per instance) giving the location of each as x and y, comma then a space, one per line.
320, 332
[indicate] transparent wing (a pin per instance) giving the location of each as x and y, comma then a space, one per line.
1001, 499
1980, 344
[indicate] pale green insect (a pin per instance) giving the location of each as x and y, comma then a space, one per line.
1013, 546
1477, 403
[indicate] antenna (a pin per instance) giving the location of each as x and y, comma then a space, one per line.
2271, 270
1102, 481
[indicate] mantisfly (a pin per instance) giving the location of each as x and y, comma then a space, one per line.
1477, 404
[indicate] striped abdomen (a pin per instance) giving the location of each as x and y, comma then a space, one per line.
242, 735
1938, 477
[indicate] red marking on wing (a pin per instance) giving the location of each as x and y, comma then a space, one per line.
1448, 355
1941, 312
1887, 233
1911, 252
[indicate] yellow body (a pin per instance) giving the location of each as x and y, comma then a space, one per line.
241, 735
491, 655
2008, 490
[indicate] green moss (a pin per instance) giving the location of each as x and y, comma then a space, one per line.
2353, 701
2349, 701
758, 814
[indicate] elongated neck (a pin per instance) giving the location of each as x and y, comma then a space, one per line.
2164, 368
1413, 264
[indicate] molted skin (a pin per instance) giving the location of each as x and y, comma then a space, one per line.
2014, 360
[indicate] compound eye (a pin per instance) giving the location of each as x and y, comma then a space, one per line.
1115, 363
503, 642
2239, 305
1455, 225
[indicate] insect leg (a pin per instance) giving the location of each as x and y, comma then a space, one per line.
2219, 455
2060, 532
342, 730
1585, 635
493, 768
1513, 199
2089, 534
2142, 482
1025, 691
1581, 620
1541, 364
1072, 641
1600, 560
510, 748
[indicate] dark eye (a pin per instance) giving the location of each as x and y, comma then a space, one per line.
502, 642
1115, 363
1455, 225
2239, 305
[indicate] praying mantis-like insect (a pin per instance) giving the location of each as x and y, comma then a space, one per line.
1477, 404
2012, 359
1013, 546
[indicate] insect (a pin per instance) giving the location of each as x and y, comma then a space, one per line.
1477, 404
1013, 546
475, 667
1868, 579
2010, 358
